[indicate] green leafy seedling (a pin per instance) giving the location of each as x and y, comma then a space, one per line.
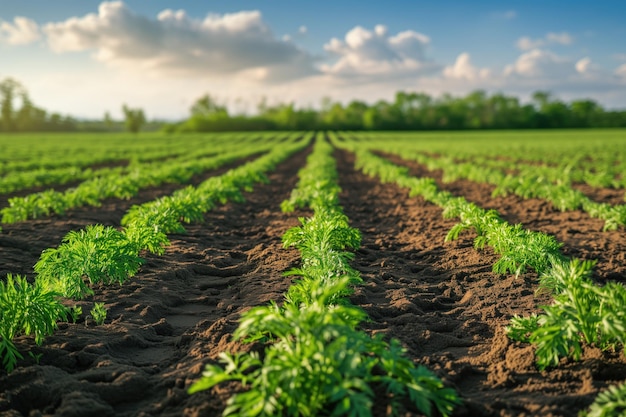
75, 313
35, 356
99, 313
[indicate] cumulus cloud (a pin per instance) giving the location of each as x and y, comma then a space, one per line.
364, 54
540, 63
303, 30
525, 43
621, 71
463, 69
586, 67
21, 32
174, 43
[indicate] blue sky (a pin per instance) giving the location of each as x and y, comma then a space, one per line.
86, 57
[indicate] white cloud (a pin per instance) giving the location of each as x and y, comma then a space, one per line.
175, 44
586, 67
365, 54
540, 63
180, 58
21, 32
525, 43
463, 69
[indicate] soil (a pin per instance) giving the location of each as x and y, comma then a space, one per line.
441, 300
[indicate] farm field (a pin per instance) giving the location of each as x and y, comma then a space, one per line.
441, 274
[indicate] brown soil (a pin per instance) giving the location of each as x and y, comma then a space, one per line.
18, 238
603, 195
441, 300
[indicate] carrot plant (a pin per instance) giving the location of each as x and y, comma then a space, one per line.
99, 313
527, 182
610, 403
94, 190
518, 248
27, 309
317, 362
104, 255
94, 255
581, 313
75, 313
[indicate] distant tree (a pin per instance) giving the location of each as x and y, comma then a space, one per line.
108, 120
134, 118
207, 106
585, 112
10, 89
29, 117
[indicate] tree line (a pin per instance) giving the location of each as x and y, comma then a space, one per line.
407, 111
410, 111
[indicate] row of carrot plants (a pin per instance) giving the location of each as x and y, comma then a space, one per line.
93, 191
577, 150
595, 158
80, 168
597, 174
526, 183
581, 313
316, 360
22, 180
105, 255
28, 152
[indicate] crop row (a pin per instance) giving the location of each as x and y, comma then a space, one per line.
317, 361
596, 158
26, 152
576, 149
526, 183
79, 167
95, 190
597, 174
99, 254
581, 312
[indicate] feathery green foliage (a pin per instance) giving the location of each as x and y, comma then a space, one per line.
610, 403
99, 313
317, 362
581, 313
94, 255
25, 308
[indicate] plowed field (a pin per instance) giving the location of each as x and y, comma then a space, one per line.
441, 300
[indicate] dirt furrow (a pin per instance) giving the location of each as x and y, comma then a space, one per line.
21, 243
166, 323
581, 235
444, 304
